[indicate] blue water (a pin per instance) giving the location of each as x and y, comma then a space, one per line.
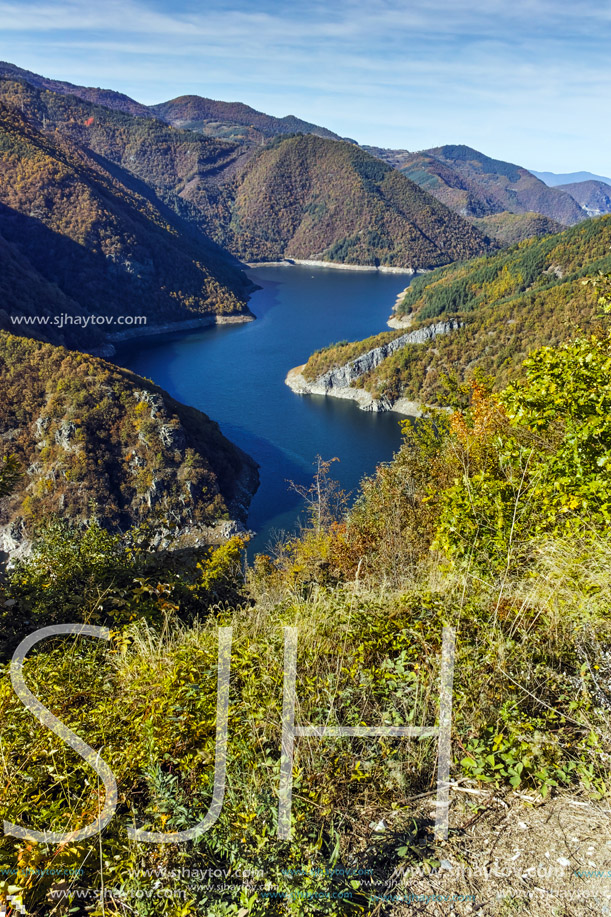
235, 373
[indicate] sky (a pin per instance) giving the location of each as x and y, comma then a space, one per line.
522, 80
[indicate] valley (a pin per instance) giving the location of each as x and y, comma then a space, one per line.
237, 375
313, 438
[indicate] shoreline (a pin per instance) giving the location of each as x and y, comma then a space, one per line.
342, 381
393, 320
108, 349
364, 399
398, 323
334, 265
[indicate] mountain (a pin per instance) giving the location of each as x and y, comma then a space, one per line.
394, 158
107, 97
106, 245
264, 203
593, 196
487, 313
226, 120
96, 440
184, 169
491, 186
553, 178
232, 120
480, 188
440, 180
309, 197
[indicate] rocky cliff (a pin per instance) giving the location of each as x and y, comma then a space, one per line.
96, 441
339, 381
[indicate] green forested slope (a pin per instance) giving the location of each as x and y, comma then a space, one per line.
305, 197
508, 303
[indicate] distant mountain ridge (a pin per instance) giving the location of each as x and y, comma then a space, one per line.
468, 182
107, 97
226, 120
479, 186
553, 179
232, 120
593, 196
503, 200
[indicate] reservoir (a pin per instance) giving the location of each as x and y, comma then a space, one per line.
235, 374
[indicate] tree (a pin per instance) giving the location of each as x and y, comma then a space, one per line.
10, 474
324, 498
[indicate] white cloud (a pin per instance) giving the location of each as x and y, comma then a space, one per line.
509, 74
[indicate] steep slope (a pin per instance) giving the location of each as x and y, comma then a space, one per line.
495, 186
214, 184
185, 169
501, 307
442, 181
553, 179
593, 196
510, 228
26, 296
94, 439
109, 250
298, 196
479, 188
106, 97
308, 197
232, 120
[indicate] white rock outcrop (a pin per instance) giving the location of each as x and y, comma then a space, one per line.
338, 382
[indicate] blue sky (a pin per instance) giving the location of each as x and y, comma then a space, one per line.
523, 80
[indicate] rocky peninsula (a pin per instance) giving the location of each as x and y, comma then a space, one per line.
339, 381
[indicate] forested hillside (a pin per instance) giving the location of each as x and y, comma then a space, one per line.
106, 97
108, 246
270, 203
507, 303
306, 197
416, 670
498, 185
503, 200
593, 196
183, 168
97, 442
510, 228
232, 120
